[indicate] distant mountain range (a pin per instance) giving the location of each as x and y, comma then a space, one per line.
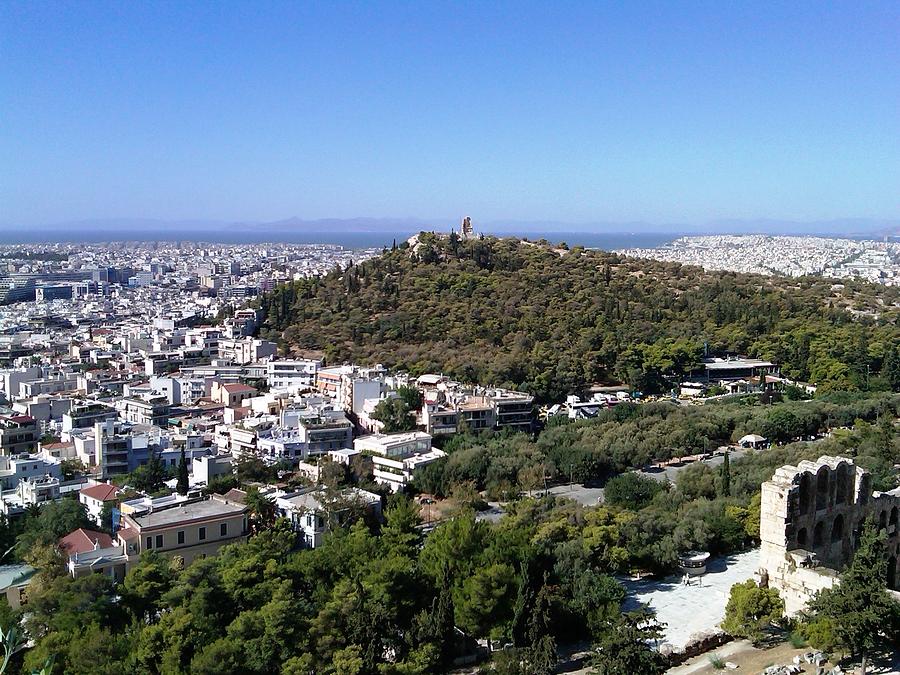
315, 229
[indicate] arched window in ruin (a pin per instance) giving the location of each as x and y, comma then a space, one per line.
801, 537
893, 520
865, 488
882, 520
892, 573
805, 493
817, 534
840, 491
822, 489
837, 529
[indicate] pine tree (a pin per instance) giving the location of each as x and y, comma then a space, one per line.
182, 486
626, 647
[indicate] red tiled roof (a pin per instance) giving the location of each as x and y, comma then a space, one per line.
127, 533
19, 419
236, 495
237, 388
81, 541
104, 492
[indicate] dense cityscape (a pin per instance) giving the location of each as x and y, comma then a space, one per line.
449, 338
143, 413
875, 261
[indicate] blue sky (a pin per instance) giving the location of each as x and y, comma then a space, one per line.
663, 112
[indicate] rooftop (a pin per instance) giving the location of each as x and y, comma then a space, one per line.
82, 540
11, 575
724, 364
395, 439
237, 388
104, 492
189, 511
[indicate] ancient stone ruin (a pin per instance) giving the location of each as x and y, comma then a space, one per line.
811, 519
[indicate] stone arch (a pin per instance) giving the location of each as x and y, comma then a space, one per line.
817, 534
892, 573
893, 520
840, 484
837, 528
801, 537
882, 520
865, 488
806, 493
822, 488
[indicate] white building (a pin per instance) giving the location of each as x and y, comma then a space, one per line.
204, 469
95, 496
246, 350
292, 375
397, 456
311, 517
21, 467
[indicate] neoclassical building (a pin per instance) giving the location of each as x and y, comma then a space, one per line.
811, 519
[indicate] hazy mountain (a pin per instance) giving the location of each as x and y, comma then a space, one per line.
296, 228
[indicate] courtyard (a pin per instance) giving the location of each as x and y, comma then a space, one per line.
688, 611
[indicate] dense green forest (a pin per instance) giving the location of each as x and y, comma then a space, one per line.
551, 320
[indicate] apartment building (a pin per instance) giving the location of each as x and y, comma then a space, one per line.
307, 428
153, 410
204, 469
187, 529
15, 468
328, 380
44, 408
396, 457
246, 350
112, 447
84, 414
11, 378
292, 374
18, 434
447, 410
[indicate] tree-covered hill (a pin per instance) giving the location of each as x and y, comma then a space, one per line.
551, 320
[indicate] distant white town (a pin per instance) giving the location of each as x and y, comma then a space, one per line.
868, 260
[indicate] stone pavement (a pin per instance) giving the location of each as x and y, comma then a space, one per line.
689, 610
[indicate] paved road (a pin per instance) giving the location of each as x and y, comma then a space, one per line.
586, 496
591, 496
670, 472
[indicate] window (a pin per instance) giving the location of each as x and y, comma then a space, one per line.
202, 534
149, 542
180, 536
223, 529
159, 541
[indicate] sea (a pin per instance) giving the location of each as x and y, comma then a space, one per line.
347, 239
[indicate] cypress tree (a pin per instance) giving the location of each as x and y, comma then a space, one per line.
182, 486
726, 476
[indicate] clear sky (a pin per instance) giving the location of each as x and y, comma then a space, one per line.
596, 111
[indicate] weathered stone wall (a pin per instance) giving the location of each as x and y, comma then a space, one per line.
811, 517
